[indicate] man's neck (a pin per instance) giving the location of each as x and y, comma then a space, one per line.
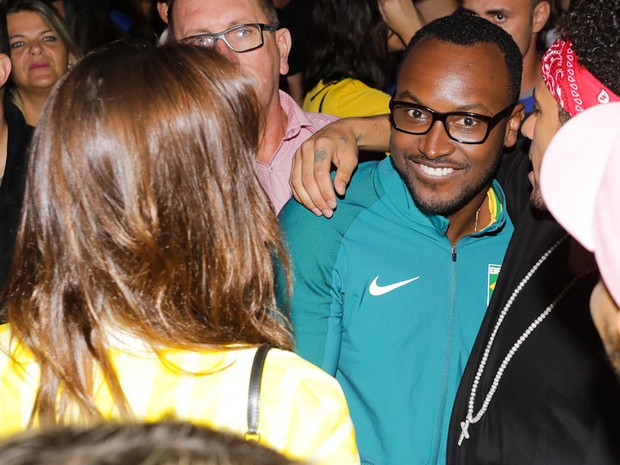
471, 218
275, 127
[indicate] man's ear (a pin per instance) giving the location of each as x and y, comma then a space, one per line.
283, 40
5, 69
540, 15
514, 125
162, 10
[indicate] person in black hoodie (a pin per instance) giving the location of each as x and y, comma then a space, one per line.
538, 388
14, 140
597, 132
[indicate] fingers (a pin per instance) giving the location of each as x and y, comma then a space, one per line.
401, 17
382, 10
325, 197
310, 174
310, 179
300, 191
344, 173
316, 174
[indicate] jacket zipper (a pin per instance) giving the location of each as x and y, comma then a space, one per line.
446, 379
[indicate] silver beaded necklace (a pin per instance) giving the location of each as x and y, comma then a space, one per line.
470, 419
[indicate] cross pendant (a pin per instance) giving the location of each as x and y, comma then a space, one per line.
464, 431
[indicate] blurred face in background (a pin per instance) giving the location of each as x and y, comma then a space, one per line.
38, 55
517, 17
265, 63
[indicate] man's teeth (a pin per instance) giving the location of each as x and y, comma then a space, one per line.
436, 171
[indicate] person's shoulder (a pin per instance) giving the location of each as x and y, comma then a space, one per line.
288, 361
292, 370
355, 98
350, 84
362, 192
313, 404
318, 120
13, 355
15, 120
19, 136
297, 117
5, 338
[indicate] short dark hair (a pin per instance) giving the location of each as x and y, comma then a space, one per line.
266, 5
593, 27
166, 443
470, 29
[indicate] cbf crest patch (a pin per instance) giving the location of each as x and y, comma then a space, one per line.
493, 274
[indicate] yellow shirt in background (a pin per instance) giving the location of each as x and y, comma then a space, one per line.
345, 98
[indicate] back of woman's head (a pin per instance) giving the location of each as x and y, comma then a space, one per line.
348, 39
142, 209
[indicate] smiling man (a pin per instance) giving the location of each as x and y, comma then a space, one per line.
246, 32
537, 389
389, 293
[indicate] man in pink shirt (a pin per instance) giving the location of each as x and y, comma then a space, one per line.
245, 32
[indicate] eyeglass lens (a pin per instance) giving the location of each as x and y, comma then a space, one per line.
239, 38
465, 128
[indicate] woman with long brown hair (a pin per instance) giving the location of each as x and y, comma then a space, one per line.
143, 276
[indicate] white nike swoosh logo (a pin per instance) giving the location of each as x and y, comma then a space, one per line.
375, 289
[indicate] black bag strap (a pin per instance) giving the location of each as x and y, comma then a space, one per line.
323, 100
254, 393
325, 90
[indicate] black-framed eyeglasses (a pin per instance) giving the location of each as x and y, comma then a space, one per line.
464, 127
239, 38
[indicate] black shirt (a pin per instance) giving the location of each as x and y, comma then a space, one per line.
558, 401
12, 188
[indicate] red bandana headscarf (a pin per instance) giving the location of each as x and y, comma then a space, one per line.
571, 85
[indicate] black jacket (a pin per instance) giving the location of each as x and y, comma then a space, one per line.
558, 401
11, 190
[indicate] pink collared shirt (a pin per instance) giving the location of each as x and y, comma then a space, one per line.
274, 176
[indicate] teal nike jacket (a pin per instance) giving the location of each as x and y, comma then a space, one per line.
382, 301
